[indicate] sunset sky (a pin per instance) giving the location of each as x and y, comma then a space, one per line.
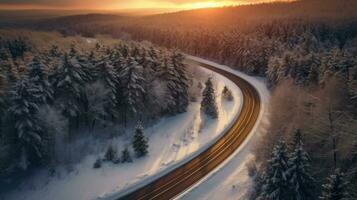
118, 4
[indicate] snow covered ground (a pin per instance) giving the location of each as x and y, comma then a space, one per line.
231, 180
172, 141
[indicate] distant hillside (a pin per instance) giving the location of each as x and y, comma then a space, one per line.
75, 19
304, 9
209, 18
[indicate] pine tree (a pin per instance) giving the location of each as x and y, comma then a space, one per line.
3, 105
153, 53
117, 60
167, 73
7, 66
276, 182
39, 80
181, 89
336, 187
125, 156
108, 76
69, 87
55, 52
30, 135
3, 89
257, 175
97, 164
208, 104
111, 154
298, 172
133, 89
97, 46
227, 94
18, 47
82, 62
140, 143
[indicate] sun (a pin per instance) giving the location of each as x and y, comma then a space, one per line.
207, 4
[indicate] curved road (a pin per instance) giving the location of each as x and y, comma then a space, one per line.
177, 181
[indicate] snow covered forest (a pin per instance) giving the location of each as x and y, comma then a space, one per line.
55, 90
306, 50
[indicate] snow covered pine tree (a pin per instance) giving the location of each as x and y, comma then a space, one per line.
69, 81
173, 72
227, 94
107, 76
298, 172
30, 135
133, 90
39, 80
110, 154
336, 187
140, 143
208, 104
181, 89
125, 156
276, 183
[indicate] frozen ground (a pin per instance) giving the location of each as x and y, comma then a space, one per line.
231, 180
172, 141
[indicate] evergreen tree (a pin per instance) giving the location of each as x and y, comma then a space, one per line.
3, 88
227, 94
181, 89
140, 143
110, 79
257, 175
30, 135
111, 154
208, 104
69, 87
167, 73
133, 89
55, 52
97, 46
3, 106
299, 170
276, 182
7, 66
97, 164
117, 60
82, 62
336, 187
39, 80
125, 156
17, 47
124, 50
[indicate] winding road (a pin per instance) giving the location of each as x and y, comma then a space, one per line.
180, 179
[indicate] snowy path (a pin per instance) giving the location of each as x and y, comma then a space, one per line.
172, 141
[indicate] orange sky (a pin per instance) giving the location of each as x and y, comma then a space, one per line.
118, 4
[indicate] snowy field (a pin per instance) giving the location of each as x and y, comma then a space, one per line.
172, 141
231, 180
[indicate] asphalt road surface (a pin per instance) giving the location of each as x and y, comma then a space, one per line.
180, 179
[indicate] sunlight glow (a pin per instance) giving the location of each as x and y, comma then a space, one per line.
129, 4
208, 4
187, 5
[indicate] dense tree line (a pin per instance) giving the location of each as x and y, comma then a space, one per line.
100, 87
288, 176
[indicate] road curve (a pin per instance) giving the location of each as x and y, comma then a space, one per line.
180, 179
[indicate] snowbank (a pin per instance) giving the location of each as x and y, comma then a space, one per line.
231, 180
172, 141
